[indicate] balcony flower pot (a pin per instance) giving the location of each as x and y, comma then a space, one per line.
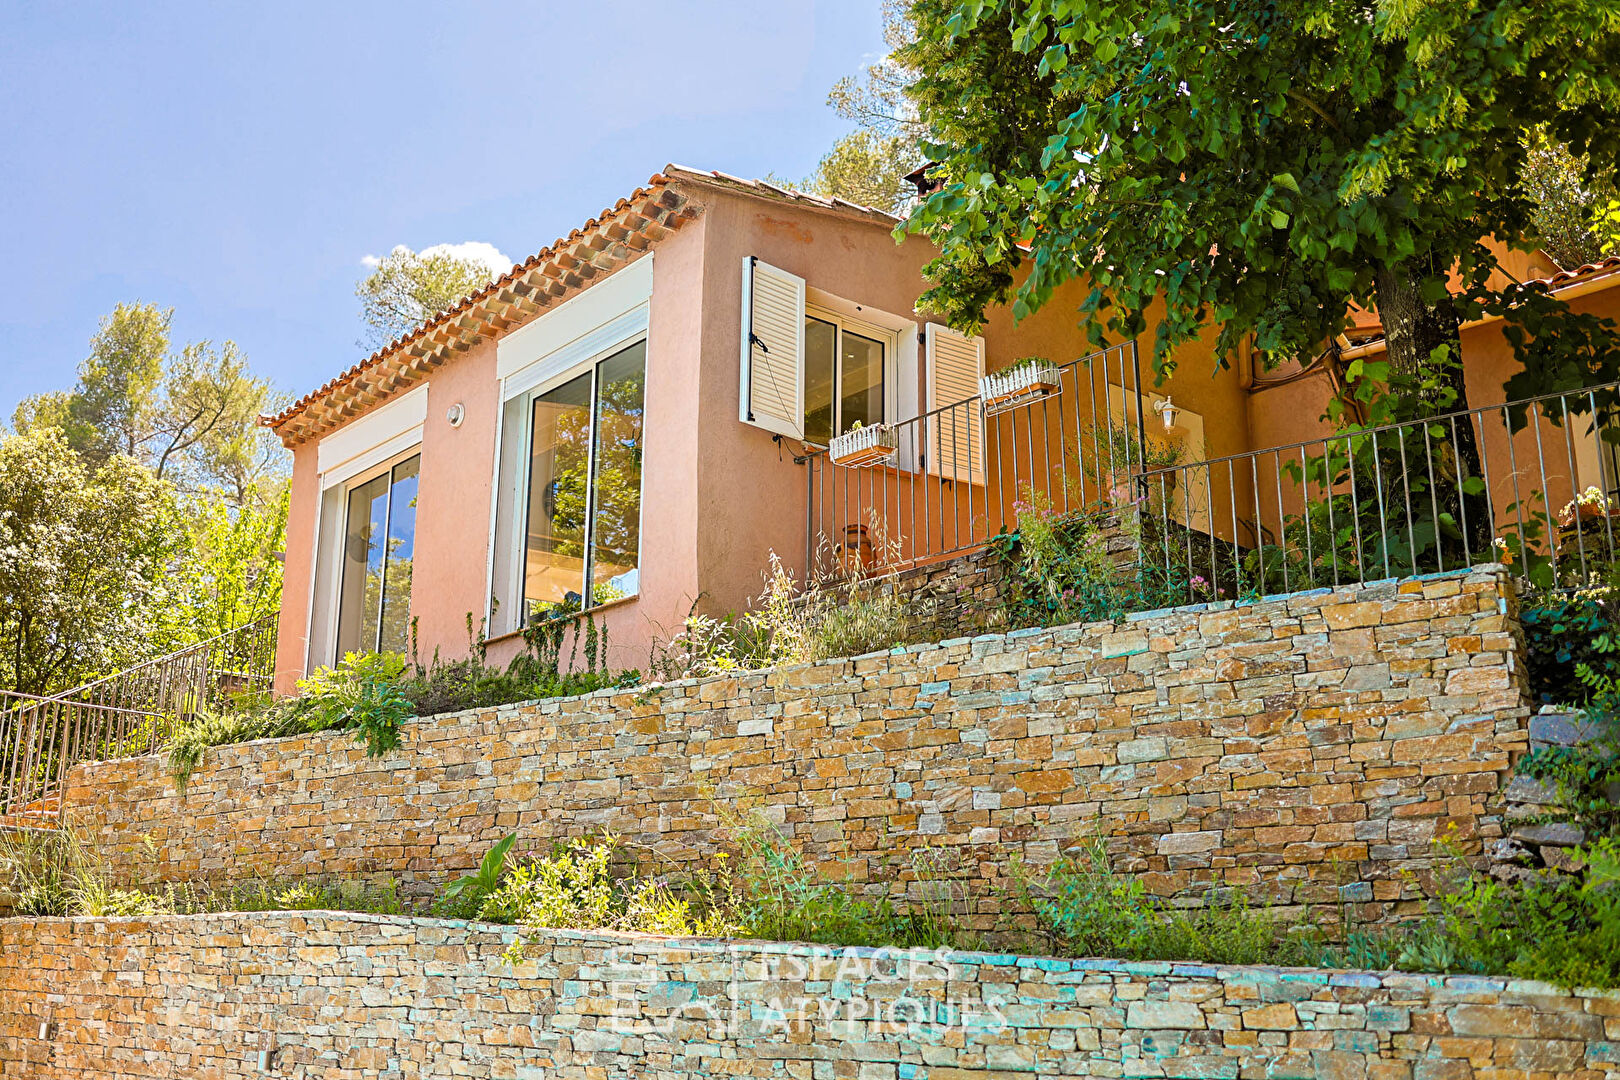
863, 446
1018, 385
1589, 505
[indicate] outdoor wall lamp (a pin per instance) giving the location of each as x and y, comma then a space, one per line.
456, 414
47, 1029
1167, 412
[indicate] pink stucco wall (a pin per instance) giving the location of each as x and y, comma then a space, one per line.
292, 632
453, 502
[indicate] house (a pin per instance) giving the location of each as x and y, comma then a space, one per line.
628, 422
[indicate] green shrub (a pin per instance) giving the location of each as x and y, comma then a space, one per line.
191, 736
788, 624
1083, 908
777, 897
463, 897
59, 872
1060, 570
766, 891
575, 887
1561, 633
374, 694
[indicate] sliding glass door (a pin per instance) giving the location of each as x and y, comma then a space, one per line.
379, 542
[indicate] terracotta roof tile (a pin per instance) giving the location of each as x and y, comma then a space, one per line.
1567, 277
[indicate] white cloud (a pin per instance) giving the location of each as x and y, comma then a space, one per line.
477, 251
486, 255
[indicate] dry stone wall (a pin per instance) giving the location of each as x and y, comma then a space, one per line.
354, 997
1309, 747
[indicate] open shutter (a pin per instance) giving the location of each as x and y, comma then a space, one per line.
956, 434
772, 349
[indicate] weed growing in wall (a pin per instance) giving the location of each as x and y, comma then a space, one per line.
789, 623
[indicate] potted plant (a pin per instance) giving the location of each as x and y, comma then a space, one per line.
1029, 379
863, 446
1589, 505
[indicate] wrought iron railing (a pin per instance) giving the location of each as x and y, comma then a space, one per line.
1534, 483
130, 713
959, 471
1531, 483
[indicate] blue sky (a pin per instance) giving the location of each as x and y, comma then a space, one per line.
238, 161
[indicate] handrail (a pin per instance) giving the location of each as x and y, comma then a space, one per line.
35, 698
256, 624
128, 712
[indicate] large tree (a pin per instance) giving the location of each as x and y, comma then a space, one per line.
406, 288
85, 556
1570, 223
1260, 167
190, 415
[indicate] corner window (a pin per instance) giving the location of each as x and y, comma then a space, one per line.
379, 543
582, 541
844, 371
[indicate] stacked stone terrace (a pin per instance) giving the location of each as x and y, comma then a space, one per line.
1308, 747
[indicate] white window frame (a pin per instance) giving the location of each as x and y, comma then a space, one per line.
534, 381
366, 475
383, 437
888, 337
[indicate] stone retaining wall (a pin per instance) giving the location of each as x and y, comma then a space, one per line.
1309, 747
349, 997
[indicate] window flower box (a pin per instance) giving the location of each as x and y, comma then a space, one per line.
1018, 385
863, 446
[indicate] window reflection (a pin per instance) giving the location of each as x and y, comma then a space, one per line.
616, 478
843, 380
585, 470
379, 544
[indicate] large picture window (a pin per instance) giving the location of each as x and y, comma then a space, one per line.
379, 542
582, 541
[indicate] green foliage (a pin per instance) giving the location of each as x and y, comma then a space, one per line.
788, 624
1260, 169
766, 892
375, 693
359, 693
230, 575
866, 168
1561, 633
407, 288
1586, 777
84, 560
869, 164
1084, 908
190, 416
777, 897
1569, 220
1558, 928
59, 873
463, 897
1061, 571
192, 736
576, 887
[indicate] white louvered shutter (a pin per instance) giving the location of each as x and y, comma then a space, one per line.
956, 435
772, 349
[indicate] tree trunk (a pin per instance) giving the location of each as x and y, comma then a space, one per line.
1413, 329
